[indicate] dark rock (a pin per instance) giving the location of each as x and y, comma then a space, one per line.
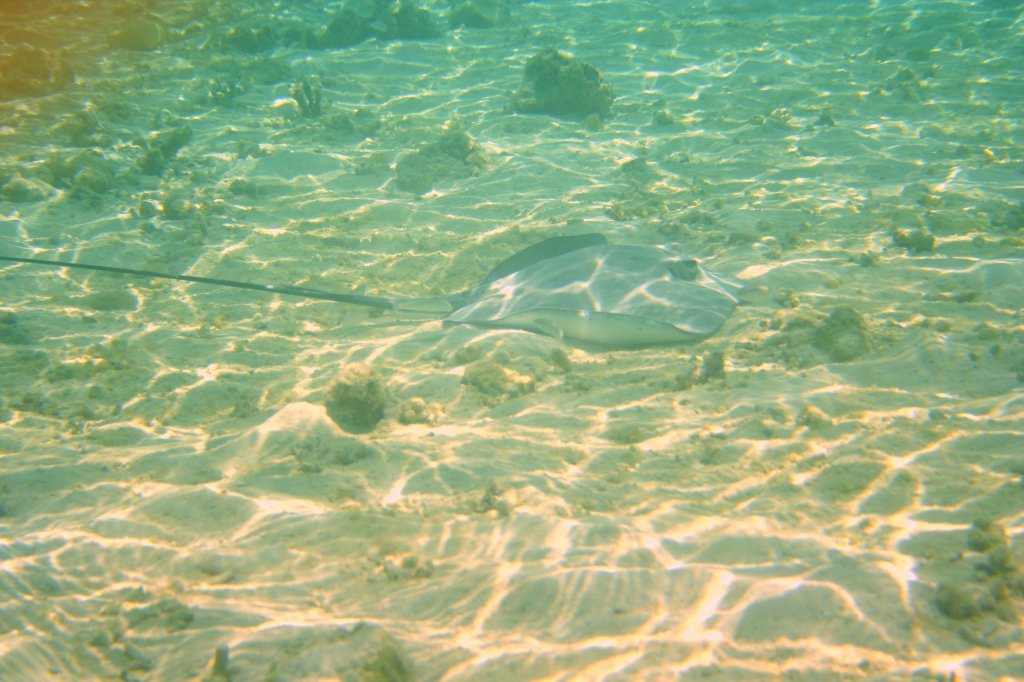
663, 119
414, 23
360, 20
919, 241
557, 84
478, 13
170, 142
344, 29
712, 366
356, 401
163, 147
11, 332
843, 334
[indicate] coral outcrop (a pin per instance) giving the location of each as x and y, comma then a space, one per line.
555, 83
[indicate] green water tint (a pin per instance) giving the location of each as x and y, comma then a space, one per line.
577, 289
200, 485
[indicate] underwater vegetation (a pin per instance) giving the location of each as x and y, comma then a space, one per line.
309, 94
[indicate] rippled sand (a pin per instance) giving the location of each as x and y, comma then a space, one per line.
831, 506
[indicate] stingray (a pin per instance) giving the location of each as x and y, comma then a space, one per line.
580, 290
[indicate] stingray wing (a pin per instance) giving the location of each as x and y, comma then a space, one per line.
615, 296
552, 247
532, 255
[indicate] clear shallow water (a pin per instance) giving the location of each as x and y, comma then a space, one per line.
170, 481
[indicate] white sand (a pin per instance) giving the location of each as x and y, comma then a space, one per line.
170, 481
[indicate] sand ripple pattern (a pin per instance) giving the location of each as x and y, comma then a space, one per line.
831, 487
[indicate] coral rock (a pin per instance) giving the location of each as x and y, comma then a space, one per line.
557, 84
357, 399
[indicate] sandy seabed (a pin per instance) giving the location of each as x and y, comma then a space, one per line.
841, 498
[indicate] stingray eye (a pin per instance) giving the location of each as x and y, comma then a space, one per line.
684, 268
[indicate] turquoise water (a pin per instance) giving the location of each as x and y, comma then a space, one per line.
829, 487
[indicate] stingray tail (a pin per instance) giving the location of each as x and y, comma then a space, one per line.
427, 305
433, 305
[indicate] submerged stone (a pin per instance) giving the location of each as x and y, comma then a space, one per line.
918, 241
478, 13
344, 29
360, 20
357, 399
415, 23
555, 83
843, 334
